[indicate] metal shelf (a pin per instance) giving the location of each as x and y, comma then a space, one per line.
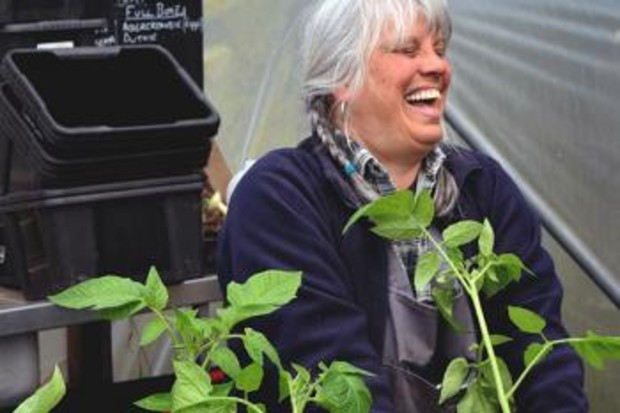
18, 316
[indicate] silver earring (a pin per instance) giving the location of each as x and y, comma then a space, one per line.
343, 108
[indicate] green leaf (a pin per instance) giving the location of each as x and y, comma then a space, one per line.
461, 233
231, 315
498, 339
46, 397
156, 292
284, 378
487, 239
475, 401
506, 268
271, 289
302, 373
343, 390
192, 385
343, 367
394, 208
424, 209
487, 381
261, 294
533, 350
426, 268
526, 321
453, 379
405, 229
444, 296
511, 265
208, 327
250, 378
225, 359
400, 215
99, 293
256, 344
191, 333
159, 402
222, 390
595, 349
216, 406
122, 312
152, 331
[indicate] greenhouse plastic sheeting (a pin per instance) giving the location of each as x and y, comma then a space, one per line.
541, 81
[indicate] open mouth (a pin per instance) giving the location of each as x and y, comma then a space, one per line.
424, 97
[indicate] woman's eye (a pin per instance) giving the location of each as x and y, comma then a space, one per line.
407, 51
440, 49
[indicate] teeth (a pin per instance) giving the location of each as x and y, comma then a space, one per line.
422, 95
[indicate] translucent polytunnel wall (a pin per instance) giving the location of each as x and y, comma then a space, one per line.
539, 80
251, 74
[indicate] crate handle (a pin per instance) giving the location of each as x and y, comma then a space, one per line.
9, 96
87, 52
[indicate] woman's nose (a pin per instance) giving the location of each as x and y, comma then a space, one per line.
433, 62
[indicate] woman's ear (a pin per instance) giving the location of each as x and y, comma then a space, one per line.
342, 94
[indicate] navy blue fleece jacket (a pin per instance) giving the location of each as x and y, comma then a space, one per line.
288, 212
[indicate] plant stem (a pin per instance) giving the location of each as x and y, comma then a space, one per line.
486, 338
305, 394
162, 317
481, 274
212, 345
539, 355
527, 369
457, 273
470, 288
239, 400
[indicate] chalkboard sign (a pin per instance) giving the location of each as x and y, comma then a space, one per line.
174, 24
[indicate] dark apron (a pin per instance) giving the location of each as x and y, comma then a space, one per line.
416, 336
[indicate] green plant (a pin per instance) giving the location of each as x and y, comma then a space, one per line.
403, 215
201, 343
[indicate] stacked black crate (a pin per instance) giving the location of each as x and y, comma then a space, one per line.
102, 150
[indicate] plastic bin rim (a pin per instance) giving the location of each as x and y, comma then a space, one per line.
48, 198
212, 119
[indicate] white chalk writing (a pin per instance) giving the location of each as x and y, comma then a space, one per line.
158, 11
140, 38
142, 21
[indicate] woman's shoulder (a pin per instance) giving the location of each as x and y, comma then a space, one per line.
462, 158
285, 170
470, 165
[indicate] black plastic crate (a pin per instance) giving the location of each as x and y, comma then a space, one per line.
27, 166
86, 102
25, 11
5, 273
56, 238
87, 115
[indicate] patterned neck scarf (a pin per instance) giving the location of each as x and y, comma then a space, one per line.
370, 180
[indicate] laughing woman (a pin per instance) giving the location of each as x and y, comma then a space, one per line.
376, 79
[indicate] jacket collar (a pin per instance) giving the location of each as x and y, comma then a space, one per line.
460, 161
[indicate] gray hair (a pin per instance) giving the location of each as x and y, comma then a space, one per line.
340, 36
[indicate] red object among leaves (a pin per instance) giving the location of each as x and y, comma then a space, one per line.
217, 375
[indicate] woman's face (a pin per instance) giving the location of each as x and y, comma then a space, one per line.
398, 111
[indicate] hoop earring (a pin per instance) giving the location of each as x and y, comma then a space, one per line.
344, 112
343, 109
